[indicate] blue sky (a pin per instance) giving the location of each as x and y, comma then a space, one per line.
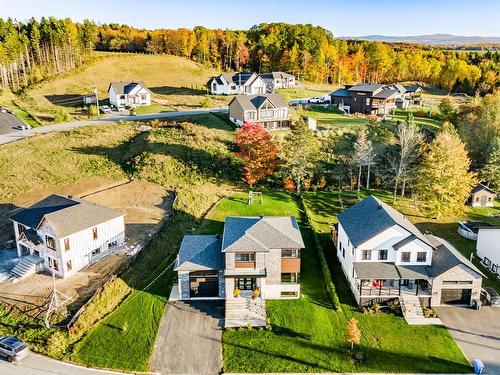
343, 18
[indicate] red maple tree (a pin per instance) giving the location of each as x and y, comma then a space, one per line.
257, 151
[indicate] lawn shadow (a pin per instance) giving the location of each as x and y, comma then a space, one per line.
67, 100
171, 90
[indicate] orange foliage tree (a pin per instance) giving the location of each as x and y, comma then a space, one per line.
257, 151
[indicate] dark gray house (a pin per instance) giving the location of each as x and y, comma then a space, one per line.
368, 99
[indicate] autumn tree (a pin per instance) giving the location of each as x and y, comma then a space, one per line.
298, 152
257, 151
363, 155
353, 334
444, 180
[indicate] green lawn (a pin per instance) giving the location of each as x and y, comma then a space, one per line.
19, 112
423, 122
308, 336
328, 118
153, 108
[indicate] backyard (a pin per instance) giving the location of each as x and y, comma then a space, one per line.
308, 336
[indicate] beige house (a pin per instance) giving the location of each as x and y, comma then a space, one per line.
482, 196
255, 259
270, 110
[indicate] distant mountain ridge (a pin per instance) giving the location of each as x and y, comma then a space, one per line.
433, 39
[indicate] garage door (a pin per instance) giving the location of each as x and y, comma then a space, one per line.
455, 296
204, 284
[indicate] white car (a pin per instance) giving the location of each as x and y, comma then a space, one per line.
22, 127
105, 109
13, 349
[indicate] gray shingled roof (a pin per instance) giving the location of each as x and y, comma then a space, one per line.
412, 88
376, 270
385, 94
275, 75
413, 272
480, 187
366, 87
445, 257
370, 217
404, 242
32, 236
253, 102
344, 93
199, 253
261, 234
126, 87
65, 215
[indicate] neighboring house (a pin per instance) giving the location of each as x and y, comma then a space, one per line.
129, 94
413, 95
368, 99
383, 256
243, 83
278, 80
482, 196
402, 101
270, 110
64, 234
253, 254
488, 247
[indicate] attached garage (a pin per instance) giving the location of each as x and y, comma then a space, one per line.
456, 296
204, 284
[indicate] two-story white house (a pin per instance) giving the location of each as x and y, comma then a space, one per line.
278, 80
64, 234
243, 83
129, 94
256, 258
488, 247
383, 255
270, 110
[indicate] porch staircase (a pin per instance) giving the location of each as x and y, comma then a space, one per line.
25, 267
241, 312
411, 307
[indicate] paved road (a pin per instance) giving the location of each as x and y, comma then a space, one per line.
16, 136
189, 339
36, 364
476, 332
7, 123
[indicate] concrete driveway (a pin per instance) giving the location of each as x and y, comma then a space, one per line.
476, 332
189, 339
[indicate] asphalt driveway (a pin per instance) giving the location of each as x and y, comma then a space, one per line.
476, 332
189, 339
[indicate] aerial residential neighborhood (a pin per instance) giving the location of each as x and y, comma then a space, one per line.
228, 187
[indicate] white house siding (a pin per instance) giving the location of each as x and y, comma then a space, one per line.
488, 246
82, 244
457, 273
257, 86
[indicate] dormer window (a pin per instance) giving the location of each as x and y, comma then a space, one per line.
405, 257
421, 256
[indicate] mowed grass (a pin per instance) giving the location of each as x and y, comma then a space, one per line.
153, 108
306, 90
308, 336
329, 118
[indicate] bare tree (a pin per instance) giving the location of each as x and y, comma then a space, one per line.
363, 155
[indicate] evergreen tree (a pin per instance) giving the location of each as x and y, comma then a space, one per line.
490, 173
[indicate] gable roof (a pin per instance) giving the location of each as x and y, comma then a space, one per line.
385, 93
276, 75
480, 187
370, 217
261, 233
200, 252
412, 88
122, 87
366, 87
446, 257
253, 102
65, 215
342, 92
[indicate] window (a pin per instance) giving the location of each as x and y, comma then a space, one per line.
245, 257
489, 199
112, 244
405, 256
144, 97
366, 255
352, 251
343, 252
290, 278
94, 233
66, 244
50, 242
477, 199
50, 262
367, 101
20, 228
55, 265
382, 254
494, 268
69, 265
290, 253
289, 294
251, 115
421, 256
96, 252
267, 113
464, 282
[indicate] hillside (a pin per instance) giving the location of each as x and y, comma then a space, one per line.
176, 82
433, 39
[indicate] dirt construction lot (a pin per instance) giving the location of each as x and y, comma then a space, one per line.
145, 205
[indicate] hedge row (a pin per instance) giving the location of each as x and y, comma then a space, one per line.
330, 287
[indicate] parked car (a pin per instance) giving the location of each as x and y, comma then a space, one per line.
13, 349
22, 127
5, 110
315, 100
489, 296
105, 109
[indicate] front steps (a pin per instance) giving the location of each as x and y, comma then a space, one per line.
25, 267
242, 312
413, 313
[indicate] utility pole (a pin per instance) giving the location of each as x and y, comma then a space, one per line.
96, 92
57, 300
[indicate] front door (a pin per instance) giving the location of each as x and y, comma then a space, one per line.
246, 283
483, 200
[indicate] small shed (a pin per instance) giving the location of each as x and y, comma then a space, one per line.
311, 122
482, 196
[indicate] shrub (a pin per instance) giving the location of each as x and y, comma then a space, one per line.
93, 111
207, 102
429, 313
62, 116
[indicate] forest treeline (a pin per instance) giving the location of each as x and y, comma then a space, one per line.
32, 51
